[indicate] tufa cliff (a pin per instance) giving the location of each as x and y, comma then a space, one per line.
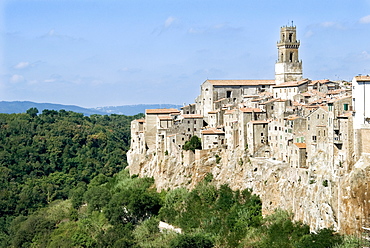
319, 196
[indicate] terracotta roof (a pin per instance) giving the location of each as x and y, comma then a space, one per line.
363, 78
272, 100
161, 111
307, 94
311, 106
290, 118
213, 112
292, 83
213, 131
250, 110
241, 82
345, 115
300, 145
192, 116
323, 81
339, 98
220, 100
164, 117
229, 112
140, 120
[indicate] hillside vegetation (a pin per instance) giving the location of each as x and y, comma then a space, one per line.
63, 184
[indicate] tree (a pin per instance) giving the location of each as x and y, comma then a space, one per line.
32, 112
193, 143
133, 206
191, 241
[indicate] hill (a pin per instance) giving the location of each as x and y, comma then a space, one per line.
15, 107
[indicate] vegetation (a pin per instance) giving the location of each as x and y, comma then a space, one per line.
63, 184
193, 144
50, 156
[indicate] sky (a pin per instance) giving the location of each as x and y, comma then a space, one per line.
94, 53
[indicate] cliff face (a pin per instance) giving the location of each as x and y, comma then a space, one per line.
321, 196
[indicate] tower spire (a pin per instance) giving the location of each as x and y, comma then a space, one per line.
288, 67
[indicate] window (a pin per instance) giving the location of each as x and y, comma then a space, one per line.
195, 122
308, 127
291, 57
318, 116
290, 37
345, 106
313, 138
228, 94
261, 134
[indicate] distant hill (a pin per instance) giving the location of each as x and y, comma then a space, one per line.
23, 106
134, 109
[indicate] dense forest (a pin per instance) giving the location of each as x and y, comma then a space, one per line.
63, 184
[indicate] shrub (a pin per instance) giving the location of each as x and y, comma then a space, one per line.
193, 143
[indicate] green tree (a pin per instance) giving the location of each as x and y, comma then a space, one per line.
32, 112
193, 143
191, 241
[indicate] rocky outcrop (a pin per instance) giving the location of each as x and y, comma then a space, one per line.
321, 196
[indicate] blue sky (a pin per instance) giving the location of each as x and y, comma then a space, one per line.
101, 53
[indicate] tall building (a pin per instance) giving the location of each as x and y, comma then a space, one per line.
361, 118
288, 67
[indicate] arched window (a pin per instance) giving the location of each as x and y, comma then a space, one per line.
290, 37
291, 56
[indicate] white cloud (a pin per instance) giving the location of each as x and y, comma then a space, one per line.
16, 78
332, 25
170, 20
365, 55
22, 65
328, 24
365, 19
309, 33
49, 80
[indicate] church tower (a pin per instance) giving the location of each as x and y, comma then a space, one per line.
288, 67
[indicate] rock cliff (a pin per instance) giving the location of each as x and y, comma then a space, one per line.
321, 196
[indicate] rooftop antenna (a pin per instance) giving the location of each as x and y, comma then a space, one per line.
292, 24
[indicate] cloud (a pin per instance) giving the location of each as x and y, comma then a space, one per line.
16, 78
365, 19
365, 55
22, 65
335, 25
170, 20
129, 70
170, 23
52, 34
309, 33
216, 28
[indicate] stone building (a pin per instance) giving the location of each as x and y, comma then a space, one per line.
361, 111
290, 119
288, 66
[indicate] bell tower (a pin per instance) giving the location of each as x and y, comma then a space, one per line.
288, 67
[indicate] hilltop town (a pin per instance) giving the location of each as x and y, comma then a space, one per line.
290, 119
315, 129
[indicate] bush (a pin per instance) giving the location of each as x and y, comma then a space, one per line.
191, 241
193, 143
